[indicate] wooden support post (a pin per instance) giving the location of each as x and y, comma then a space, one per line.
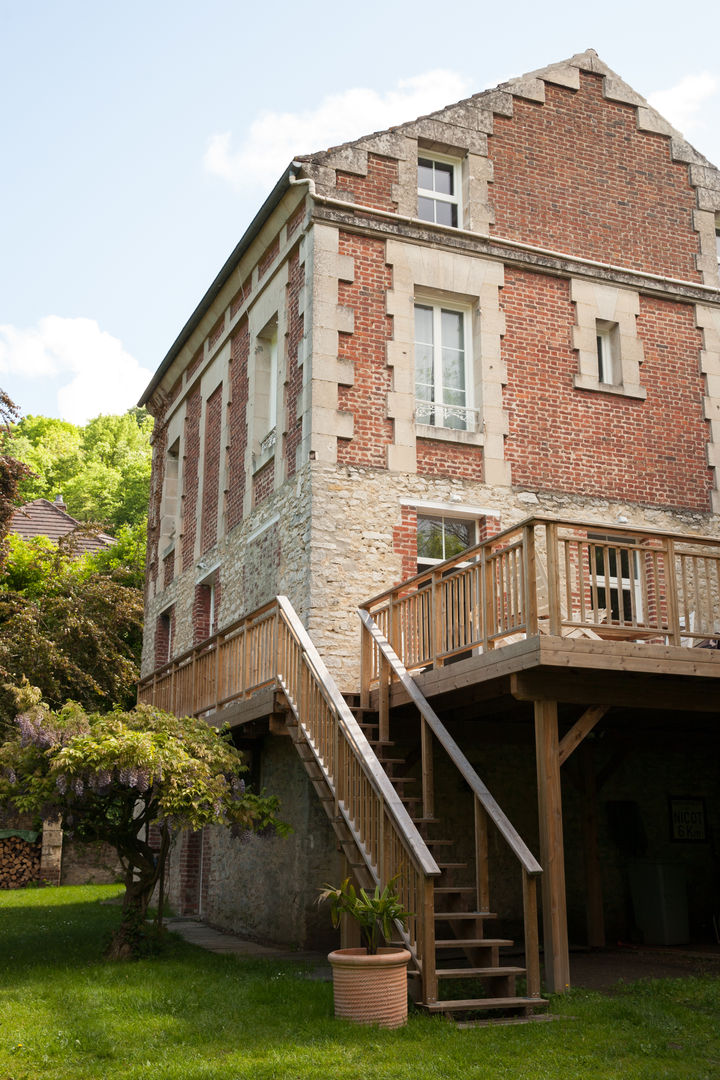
553, 573
591, 854
427, 942
532, 945
384, 701
555, 938
366, 657
482, 870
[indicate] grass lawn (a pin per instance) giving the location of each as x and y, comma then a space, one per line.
187, 1015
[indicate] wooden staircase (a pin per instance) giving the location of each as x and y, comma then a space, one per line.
466, 958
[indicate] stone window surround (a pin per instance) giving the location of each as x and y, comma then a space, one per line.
269, 309
598, 303
419, 272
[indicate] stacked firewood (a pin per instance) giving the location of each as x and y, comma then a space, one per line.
19, 862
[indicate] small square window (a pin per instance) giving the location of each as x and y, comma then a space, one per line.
439, 191
440, 538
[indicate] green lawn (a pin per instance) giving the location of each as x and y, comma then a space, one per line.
190, 1014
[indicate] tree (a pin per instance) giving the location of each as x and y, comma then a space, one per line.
102, 470
70, 625
113, 775
12, 471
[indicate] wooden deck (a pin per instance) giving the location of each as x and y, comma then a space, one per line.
545, 614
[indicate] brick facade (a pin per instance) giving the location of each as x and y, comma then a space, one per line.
563, 439
375, 188
365, 347
294, 378
211, 470
191, 465
576, 174
237, 426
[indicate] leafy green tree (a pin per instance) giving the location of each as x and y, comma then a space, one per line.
71, 627
102, 470
12, 471
51, 448
113, 775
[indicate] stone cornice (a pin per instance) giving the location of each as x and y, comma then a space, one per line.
386, 225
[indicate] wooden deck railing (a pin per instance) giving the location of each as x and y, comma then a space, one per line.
272, 648
557, 577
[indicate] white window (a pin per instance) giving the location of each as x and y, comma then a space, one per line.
608, 352
443, 362
717, 235
440, 538
615, 579
439, 190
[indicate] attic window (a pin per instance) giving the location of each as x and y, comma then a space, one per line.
439, 190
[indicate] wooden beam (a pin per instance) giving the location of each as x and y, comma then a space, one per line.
623, 689
579, 730
552, 857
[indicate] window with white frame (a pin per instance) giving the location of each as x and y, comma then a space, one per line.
443, 363
717, 235
615, 579
442, 537
439, 190
608, 352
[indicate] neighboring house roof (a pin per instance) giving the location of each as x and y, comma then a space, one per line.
44, 518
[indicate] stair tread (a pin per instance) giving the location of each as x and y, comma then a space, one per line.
460, 943
452, 865
484, 1003
465, 915
478, 972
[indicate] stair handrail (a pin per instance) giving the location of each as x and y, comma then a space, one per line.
497, 815
530, 867
358, 740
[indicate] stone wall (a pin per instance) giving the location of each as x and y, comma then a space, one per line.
264, 886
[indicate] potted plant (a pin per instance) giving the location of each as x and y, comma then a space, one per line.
369, 983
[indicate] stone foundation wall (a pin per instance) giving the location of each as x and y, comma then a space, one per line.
264, 886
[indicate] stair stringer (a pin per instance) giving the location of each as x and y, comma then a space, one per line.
373, 827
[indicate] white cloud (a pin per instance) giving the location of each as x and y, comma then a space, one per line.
683, 103
273, 137
90, 368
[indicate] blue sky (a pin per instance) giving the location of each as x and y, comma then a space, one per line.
139, 139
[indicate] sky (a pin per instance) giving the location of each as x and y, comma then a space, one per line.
138, 140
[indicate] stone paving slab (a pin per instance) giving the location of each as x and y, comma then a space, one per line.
219, 941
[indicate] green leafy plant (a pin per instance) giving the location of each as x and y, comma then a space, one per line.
375, 913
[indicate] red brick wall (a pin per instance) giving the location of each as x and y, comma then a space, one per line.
576, 175
203, 626
237, 425
190, 478
591, 443
449, 459
211, 469
164, 633
367, 398
168, 568
263, 482
375, 189
405, 541
294, 380
156, 488
268, 257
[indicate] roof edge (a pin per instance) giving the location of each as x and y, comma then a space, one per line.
221, 279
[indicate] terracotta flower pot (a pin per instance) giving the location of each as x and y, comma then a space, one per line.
371, 989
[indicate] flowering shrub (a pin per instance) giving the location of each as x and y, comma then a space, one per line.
112, 775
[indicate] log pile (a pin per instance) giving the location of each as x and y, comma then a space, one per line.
19, 862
